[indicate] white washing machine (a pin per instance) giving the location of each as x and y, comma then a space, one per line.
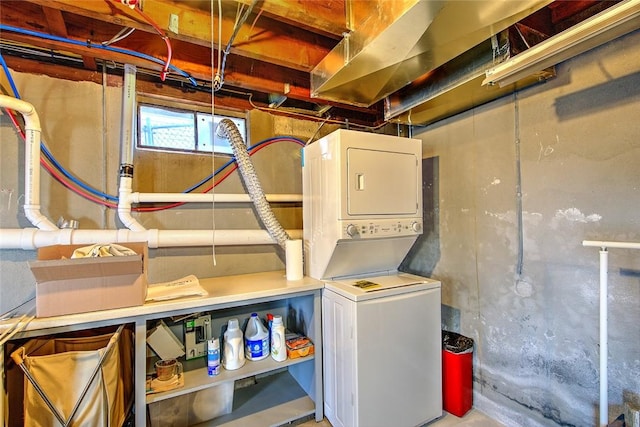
382, 358
362, 212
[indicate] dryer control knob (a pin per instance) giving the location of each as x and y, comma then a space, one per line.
352, 230
416, 226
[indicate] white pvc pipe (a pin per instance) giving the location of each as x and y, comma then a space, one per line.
604, 278
127, 123
128, 116
124, 205
207, 198
603, 244
48, 234
31, 162
32, 238
604, 392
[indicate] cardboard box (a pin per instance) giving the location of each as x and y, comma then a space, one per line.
67, 286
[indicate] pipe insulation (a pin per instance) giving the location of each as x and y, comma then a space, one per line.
228, 129
31, 162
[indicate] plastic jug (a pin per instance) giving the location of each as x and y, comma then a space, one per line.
233, 346
278, 347
256, 338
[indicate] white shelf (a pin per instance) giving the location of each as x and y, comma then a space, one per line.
223, 291
304, 375
275, 400
198, 379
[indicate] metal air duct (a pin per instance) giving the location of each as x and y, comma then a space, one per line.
457, 85
392, 43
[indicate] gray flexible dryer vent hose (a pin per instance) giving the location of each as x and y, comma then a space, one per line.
228, 129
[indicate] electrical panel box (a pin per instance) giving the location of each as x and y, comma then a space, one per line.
197, 332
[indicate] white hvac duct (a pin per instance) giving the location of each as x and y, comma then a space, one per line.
31, 162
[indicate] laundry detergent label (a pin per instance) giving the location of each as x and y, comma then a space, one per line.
256, 349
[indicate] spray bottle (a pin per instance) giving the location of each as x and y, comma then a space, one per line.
213, 357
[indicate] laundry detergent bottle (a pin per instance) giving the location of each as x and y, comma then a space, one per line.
256, 339
278, 347
233, 346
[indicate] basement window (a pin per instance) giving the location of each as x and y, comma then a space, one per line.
183, 130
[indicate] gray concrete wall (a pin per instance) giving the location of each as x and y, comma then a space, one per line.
536, 333
81, 126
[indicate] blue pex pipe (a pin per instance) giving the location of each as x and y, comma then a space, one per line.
4, 27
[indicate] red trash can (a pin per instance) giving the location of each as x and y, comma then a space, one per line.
457, 373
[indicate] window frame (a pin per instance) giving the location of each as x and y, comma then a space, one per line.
195, 110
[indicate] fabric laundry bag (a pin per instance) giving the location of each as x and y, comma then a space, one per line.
79, 378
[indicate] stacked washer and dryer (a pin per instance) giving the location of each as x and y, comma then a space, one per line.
362, 212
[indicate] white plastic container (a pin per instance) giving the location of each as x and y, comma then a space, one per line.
233, 346
278, 346
256, 339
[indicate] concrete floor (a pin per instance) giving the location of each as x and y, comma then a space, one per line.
473, 418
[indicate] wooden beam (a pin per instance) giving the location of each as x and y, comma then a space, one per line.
264, 40
228, 99
563, 9
580, 11
56, 71
57, 26
55, 22
254, 71
244, 73
328, 18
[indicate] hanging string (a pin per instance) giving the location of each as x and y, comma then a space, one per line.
212, 130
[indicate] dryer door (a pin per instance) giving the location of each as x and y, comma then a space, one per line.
382, 182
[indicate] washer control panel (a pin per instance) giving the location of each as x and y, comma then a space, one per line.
375, 229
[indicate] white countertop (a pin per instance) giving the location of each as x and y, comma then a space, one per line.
223, 291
